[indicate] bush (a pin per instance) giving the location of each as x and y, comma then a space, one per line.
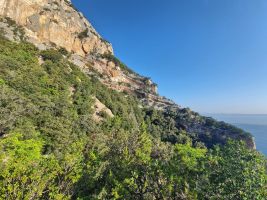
63, 51
51, 54
103, 114
83, 34
2, 82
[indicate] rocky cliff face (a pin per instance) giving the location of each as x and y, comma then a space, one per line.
55, 22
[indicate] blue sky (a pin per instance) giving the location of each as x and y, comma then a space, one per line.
209, 55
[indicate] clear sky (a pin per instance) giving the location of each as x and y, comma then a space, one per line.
209, 55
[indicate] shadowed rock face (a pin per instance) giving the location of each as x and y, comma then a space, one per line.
55, 22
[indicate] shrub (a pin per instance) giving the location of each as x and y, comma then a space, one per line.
10, 21
51, 54
83, 34
103, 114
63, 51
2, 82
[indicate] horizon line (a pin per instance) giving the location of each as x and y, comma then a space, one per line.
234, 113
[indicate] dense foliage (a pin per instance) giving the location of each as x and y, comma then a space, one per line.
175, 125
51, 148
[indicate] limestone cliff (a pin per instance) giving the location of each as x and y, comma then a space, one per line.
55, 22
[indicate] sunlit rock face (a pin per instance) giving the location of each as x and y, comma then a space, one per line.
55, 22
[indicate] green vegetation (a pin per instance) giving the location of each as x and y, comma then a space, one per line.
117, 62
104, 40
17, 30
63, 51
52, 55
50, 148
83, 34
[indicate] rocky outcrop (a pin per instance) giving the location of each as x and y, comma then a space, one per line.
100, 110
251, 143
10, 30
114, 76
55, 22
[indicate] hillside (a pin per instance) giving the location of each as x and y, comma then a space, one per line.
76, 123
56, 24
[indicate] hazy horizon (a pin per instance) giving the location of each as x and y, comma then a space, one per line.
206, 55
249, 119
236, 113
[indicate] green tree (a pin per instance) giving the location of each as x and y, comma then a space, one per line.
52, 55
25, 173
235, 172
184, 171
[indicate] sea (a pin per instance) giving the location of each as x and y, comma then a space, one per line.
254, 124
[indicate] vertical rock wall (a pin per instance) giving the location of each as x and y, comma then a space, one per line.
55, 22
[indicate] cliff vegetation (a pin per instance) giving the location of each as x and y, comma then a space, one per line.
51, 146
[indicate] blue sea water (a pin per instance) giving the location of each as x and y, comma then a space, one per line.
254, 124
